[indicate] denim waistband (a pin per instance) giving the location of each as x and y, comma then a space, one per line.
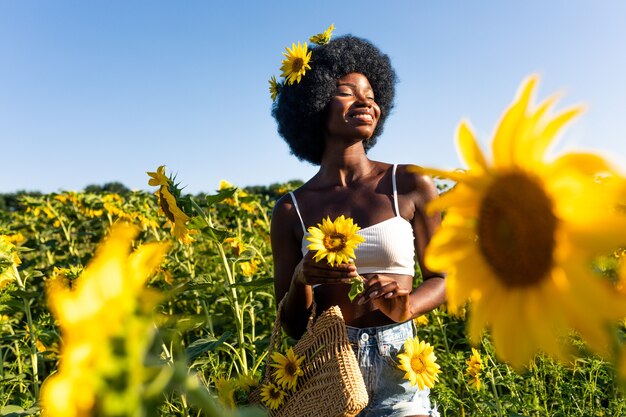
367, 336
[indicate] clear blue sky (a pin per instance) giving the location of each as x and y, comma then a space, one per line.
99, 91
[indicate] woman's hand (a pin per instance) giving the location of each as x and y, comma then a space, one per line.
310, 272
389, 297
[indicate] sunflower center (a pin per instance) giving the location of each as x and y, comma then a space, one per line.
274, 393
290, 368
297, 64
516, 230
417, 364
335, 242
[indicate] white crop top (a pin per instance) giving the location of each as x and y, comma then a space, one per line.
388, 246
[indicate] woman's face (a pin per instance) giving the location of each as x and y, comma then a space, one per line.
352, 111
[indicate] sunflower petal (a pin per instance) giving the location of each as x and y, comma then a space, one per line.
469, 151
503, 141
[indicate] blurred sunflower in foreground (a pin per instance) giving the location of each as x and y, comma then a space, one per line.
520, 232
169, 196
106, 328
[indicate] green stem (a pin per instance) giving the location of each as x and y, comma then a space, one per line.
31, 332
443, 333
233, 291
66, 232
494, 388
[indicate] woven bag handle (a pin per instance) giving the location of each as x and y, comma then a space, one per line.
277, 329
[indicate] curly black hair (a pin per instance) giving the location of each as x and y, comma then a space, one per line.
300, 109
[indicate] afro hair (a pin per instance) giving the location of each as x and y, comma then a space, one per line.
300, 109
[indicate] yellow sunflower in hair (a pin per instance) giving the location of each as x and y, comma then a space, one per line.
274, 88
296, 62
520, 232
324, 37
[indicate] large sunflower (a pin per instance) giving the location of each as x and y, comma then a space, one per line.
334, 240
296, 62
520, 232
288, 368
419, 363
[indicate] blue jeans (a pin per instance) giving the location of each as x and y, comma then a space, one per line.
376, 349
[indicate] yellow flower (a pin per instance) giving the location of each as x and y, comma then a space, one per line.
235, 244
474, 366
169, 205
100, 306
419, 363
272, 396
296, 63
324, 37
226, 391
421, 320
16, 238
520, 232
248, 207
250, 268
225, 185
158, 178
274, 88
287, 368
9, 260
334, 240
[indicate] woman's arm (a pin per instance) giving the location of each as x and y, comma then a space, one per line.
295, 275
287, 257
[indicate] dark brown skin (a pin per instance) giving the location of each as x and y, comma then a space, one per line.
349, 183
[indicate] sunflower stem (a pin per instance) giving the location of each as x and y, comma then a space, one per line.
31, 333
233, 291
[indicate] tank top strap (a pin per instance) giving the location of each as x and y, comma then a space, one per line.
395, 190
295, 204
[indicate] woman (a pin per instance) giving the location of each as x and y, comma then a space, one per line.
331, 118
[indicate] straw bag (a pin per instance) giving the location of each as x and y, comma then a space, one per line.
332, 384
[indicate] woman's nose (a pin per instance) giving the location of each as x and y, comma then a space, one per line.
362, 98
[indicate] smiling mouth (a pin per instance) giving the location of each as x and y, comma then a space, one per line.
365, 117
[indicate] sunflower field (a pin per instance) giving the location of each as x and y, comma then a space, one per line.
104, 312
127, 303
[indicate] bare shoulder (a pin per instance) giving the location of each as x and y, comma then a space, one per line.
283, 206
411, 181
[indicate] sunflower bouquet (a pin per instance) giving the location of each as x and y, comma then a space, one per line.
336, 241
288, 369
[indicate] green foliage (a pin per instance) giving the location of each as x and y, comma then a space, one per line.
219, 309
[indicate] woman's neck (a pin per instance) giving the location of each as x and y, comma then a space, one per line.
345, 167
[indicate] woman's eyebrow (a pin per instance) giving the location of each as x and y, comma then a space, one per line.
353, 86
